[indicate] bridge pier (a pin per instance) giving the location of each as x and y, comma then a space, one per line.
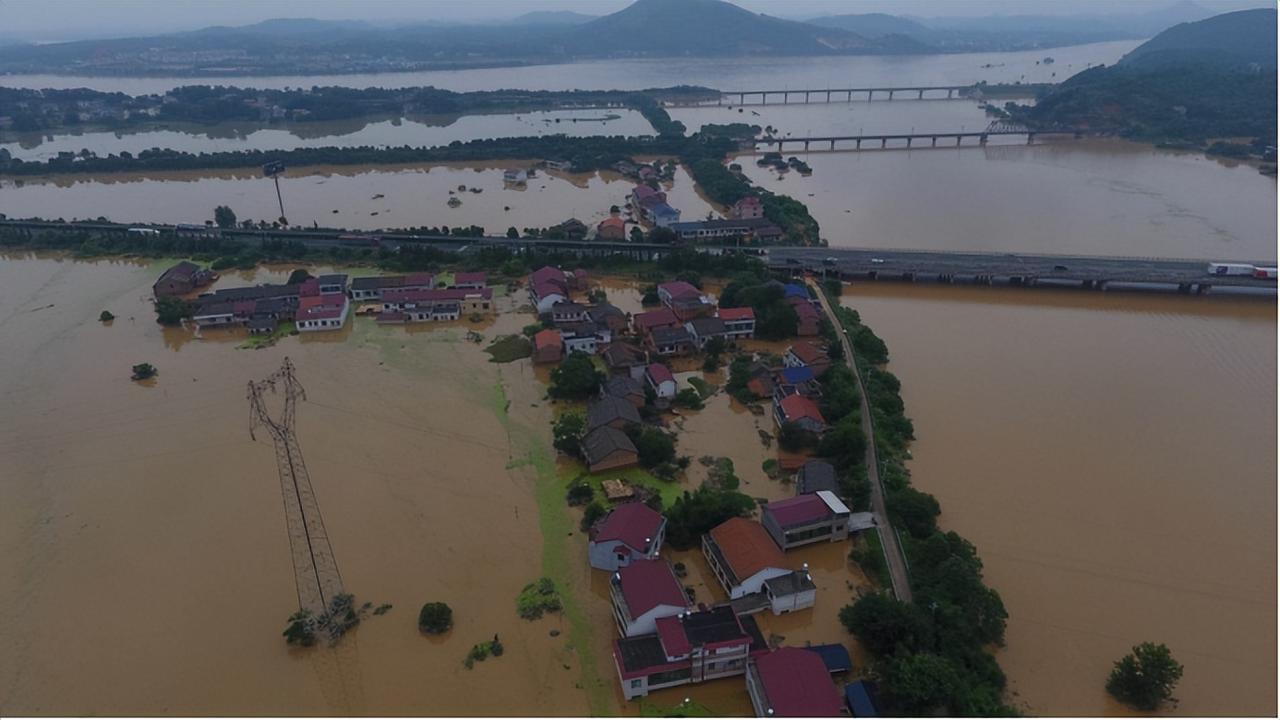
833, 144
935, 141
883, 142
958, 138
1030, 137
806, 97
920, 96
828, 96
890, 94
908, 141
742, 98
949, 94
806, 146
858, 147
982, 139
784, 97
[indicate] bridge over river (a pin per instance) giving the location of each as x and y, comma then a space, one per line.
1014, 269
837, 95
994, 129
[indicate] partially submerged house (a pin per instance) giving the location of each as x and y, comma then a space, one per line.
687, 648
609, 316
816, 475
372, 288
646, 322
625, 359
624, 387
568, 311
669, 342
685, 300
800, 410
739, 322
612, 229
703, 330
614, 412
181, 279
807, 354
661, 381
586, 337
630, 532
792, 682
548, 346
429, 305
752, 569
642, 592
607, 448
805, 519
548, 286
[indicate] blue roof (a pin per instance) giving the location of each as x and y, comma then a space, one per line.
797, 375
834, 656
664, 209
796, 290
857, 696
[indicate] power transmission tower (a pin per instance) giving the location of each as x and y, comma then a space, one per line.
314, 566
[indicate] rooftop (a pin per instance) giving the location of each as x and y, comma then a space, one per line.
620, 386
597, 445
808, 353
795, 407
647, 584
680, 288
660, 373
736, 314
798, 510
609, 409
620, 354
634, 524
816, 475
707, 326
548, 338
746, 547
670, 336
796, 375
654, 318
796, 684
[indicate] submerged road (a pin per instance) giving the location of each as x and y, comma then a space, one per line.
897, 562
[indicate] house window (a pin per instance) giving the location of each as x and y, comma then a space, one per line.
637, 683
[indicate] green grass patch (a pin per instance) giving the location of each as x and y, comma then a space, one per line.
871, 558
684, 709
704, 388
509, 348
284, 329
668, 491
537, 598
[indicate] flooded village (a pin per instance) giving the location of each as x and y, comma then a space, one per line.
576, 433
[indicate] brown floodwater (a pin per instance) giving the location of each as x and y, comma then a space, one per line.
140, 526
739, 73
409, 197
1113, 457
429, 131
1063, 196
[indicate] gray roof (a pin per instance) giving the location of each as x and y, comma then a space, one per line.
185, 269
334, 279
707, 326
620, 386
814, 476
250, 293
790, 584
620, 354
602, 311
609, 409
602, 441
670, 336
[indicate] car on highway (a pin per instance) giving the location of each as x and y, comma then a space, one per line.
829, 261
877, 261
1060, 268
792, 261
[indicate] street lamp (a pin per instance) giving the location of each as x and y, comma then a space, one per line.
274, 170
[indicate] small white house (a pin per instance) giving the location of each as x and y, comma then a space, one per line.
642, 593
659, 378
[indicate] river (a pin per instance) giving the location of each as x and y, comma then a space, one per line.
1113, 457
720, 73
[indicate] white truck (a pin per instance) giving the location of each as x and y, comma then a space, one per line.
1264, 273
1230, 269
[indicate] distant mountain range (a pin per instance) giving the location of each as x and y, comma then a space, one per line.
646, 28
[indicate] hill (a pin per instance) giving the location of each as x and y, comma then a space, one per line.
1237, 38
873, 25
1215, 78
660, 28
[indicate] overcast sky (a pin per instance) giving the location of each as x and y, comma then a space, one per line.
51, 20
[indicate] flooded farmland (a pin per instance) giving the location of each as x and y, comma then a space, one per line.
1113, 458
413, 131
355, 198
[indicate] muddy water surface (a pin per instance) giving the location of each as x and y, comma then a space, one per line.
1113, 457
356, 198
142, 527
417, 132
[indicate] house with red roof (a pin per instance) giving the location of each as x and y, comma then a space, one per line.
470, 280
630, 532
806, 519
800, 410
182, 279
612, 228
809, 325
685, 300
371, 288
807, 354
642, 593
687, 648
548, 346
792, 682
747, 208
646, 322
753, 570
659, 377
322, 312
739, 322
548, 286
426, 305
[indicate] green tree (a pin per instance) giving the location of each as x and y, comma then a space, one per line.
172, 310
884, 625
920, 685
224, 217
689, 398
567, 432
576, 378
1146, 677
914, 510
301, 629
106, 316
513, 233
794, 438
591, 514
435, 618
299, 276
653, 446
695, 513
144, 371
637, 235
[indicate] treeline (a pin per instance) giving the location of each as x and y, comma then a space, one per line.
931, 655
585, 153
43, 110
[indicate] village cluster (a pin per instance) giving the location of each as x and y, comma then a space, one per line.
664, 639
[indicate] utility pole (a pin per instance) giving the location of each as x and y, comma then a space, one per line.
274, 170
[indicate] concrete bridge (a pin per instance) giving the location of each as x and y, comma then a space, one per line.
835, 95
882, 140
1014, 269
